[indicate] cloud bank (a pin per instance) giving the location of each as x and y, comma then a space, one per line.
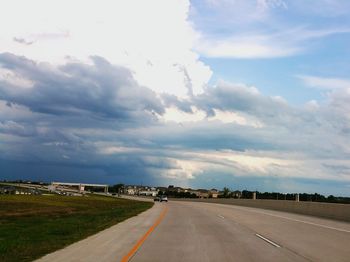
125, 94
94, 116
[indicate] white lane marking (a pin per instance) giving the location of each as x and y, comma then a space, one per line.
268, 240
287, 218
221, 216
314, 224
297, 220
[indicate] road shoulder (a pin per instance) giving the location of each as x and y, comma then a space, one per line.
110, 244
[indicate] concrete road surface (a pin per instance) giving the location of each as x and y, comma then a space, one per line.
188, 231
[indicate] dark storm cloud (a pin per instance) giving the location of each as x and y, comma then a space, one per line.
55, 122
93, 122
174, 101
213, 136
230, 97
100, 89
14, 128
22, 41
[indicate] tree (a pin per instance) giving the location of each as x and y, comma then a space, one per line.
115, 188
226, 192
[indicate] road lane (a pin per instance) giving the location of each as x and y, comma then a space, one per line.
193, 233
213, 232
314, 238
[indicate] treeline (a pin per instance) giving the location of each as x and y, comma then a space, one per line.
245, 194
19, 181
178, 194
115, 188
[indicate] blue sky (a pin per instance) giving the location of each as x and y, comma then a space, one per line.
249, 94
289, 24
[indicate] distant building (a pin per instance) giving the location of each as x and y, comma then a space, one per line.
193, 191
11, 190
236, 194
203, 193
213, 193
162, 189
148, 193
7, 190
131, 190
175, 189
24, 191
52, 188
140, 190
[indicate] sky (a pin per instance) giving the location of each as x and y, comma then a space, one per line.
245, 94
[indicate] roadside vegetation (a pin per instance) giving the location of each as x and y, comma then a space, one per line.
245, 194
32, 226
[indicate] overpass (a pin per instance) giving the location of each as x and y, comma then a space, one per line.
81, 186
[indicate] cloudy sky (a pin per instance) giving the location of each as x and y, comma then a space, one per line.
249, 94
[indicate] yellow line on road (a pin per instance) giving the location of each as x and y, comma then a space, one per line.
144, 237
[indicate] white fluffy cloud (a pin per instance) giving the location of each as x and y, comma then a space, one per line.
325, 82
255, 44
256, 29
152, 38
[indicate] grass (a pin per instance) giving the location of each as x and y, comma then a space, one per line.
32, 226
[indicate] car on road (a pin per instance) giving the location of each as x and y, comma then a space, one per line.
157, 198
163, 198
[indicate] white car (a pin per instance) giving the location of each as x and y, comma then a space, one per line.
163, 198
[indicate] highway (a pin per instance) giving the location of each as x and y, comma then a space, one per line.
192, 231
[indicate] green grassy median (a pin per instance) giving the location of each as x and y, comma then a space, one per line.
32, 226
